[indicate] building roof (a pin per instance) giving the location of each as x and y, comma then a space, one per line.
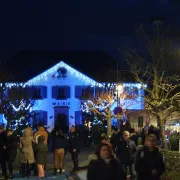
27, 64
54, 69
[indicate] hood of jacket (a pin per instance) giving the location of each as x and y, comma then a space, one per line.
27, 132
41, 139
41, 129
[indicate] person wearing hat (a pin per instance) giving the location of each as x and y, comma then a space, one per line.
149, 163
3, 137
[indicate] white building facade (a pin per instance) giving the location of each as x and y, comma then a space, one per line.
58, 93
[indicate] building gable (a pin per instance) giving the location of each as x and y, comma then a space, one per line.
53, 72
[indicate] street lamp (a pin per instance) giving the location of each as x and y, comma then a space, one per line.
119, 89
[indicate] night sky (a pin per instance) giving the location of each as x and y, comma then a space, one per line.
106, 25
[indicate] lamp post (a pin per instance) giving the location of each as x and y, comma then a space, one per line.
119, 92
119, 89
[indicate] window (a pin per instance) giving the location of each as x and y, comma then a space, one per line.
84, 92
37, 92
131, 92
61, 92
40, 117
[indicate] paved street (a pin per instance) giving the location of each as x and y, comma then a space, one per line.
48, 177
83, 161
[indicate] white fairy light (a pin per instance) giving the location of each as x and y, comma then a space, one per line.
71, 70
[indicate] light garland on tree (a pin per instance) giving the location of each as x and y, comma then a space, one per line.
21, 106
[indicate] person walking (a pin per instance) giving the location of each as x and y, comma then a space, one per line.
105, 167
149, 162
125, 152
60, 146
41, 150
74, 147
11, 151
3, 138
27, 155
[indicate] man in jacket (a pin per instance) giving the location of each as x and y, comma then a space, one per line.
3, 138
149, 163
126, 153
74, 147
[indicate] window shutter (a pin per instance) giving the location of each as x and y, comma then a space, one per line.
78, 91
92, 90
67, 92
30, 91
45, 118
44, 92
78, 116
54, 92
1, 94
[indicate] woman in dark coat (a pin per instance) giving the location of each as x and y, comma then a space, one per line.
11, 151
41, 150
105, 167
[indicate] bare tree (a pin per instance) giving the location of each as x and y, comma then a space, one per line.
149, 66
99, 106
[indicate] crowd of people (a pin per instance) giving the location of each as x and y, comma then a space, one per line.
33, 148
117, 157
120, 157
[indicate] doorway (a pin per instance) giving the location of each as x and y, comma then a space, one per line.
62, 118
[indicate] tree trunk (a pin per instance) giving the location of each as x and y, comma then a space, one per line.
109, 123
162, 130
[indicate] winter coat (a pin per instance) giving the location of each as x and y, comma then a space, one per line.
134, 137
74, 142
60, 142
146, 161
100, 170
3, 137
41, 132
26, 146
96, 137
126, 152
41, 150
11, 147
115, 139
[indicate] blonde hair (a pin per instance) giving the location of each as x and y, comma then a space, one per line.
10, 132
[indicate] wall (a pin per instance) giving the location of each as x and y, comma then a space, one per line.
72, 79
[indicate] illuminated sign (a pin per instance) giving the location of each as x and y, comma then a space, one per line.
61, 103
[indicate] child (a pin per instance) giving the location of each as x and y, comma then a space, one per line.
41, 150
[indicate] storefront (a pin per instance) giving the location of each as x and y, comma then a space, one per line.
173, 126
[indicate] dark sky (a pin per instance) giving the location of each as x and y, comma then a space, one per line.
78, 24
